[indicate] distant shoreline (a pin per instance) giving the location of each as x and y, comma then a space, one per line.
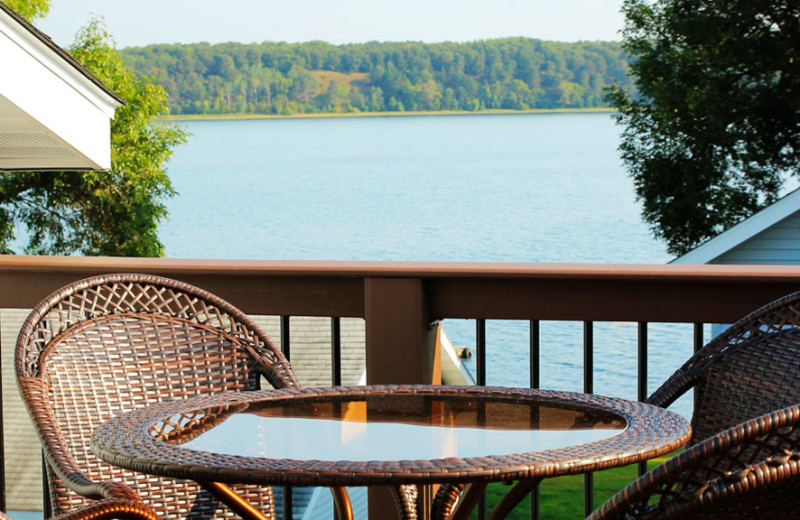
221, 117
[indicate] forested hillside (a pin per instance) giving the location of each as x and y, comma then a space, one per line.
283, 78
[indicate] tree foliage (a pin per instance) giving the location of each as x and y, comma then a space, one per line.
714, 130
282, 78
29, 9
100, 213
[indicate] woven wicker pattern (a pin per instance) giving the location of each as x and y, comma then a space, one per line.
114, 343
130, 441
405, 498
781, 314
743, 462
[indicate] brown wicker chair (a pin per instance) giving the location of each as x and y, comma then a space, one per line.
743, 456
112, 343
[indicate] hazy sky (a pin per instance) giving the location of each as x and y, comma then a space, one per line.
140, 22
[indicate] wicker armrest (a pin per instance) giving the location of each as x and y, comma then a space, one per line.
674, 387
760, 452
111, 509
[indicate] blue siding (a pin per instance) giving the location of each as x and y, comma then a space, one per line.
777, 245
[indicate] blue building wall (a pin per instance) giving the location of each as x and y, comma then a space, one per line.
779, 244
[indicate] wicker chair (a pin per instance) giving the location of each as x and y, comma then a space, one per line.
112, 343
743, 459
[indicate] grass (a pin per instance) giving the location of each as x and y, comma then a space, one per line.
562, 497
324, 77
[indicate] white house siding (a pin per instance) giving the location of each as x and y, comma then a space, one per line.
310, 347
23, 456
778, 244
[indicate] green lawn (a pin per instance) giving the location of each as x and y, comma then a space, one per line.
562, 498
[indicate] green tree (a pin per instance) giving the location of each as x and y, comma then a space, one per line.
715, 129
100, 213
29, 9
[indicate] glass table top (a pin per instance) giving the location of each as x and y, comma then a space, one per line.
401, 427
386, 435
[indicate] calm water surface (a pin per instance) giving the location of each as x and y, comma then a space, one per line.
527, 188
521, 188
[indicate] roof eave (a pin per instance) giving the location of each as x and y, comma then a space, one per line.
712, 249
54, 114
42, 41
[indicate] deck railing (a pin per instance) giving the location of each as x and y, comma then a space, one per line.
400, 300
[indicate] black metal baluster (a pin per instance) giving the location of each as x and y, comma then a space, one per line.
588, 387
47, 505
698, 337
336, 352
285, 338
535, 353
480, 376
697, 345
535, 373
641, 376
480, 352
286, 349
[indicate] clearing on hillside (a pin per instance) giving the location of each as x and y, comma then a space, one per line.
324, 78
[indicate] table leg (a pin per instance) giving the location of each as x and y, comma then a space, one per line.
445, 500
405, 497
468, 499
513, 497
231, 499
341, 502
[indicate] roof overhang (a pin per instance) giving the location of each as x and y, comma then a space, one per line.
54, 114
709, 251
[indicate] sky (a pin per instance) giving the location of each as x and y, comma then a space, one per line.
142, 22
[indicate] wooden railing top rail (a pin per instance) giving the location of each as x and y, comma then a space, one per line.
374, 269
624, 292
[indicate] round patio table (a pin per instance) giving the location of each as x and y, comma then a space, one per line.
402, 436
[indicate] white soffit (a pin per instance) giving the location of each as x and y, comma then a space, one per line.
53, 114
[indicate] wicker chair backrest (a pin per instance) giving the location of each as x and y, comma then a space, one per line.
743, 460
113, 343
781, 314
749, 380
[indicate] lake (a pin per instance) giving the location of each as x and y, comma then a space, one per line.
519, 188
527, 187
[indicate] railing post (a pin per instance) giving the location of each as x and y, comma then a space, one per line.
399, 350
398, 329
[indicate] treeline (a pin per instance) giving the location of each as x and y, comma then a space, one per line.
283, 78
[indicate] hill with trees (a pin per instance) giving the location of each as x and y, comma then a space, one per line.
288, 78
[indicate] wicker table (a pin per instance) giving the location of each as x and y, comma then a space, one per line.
400, 436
